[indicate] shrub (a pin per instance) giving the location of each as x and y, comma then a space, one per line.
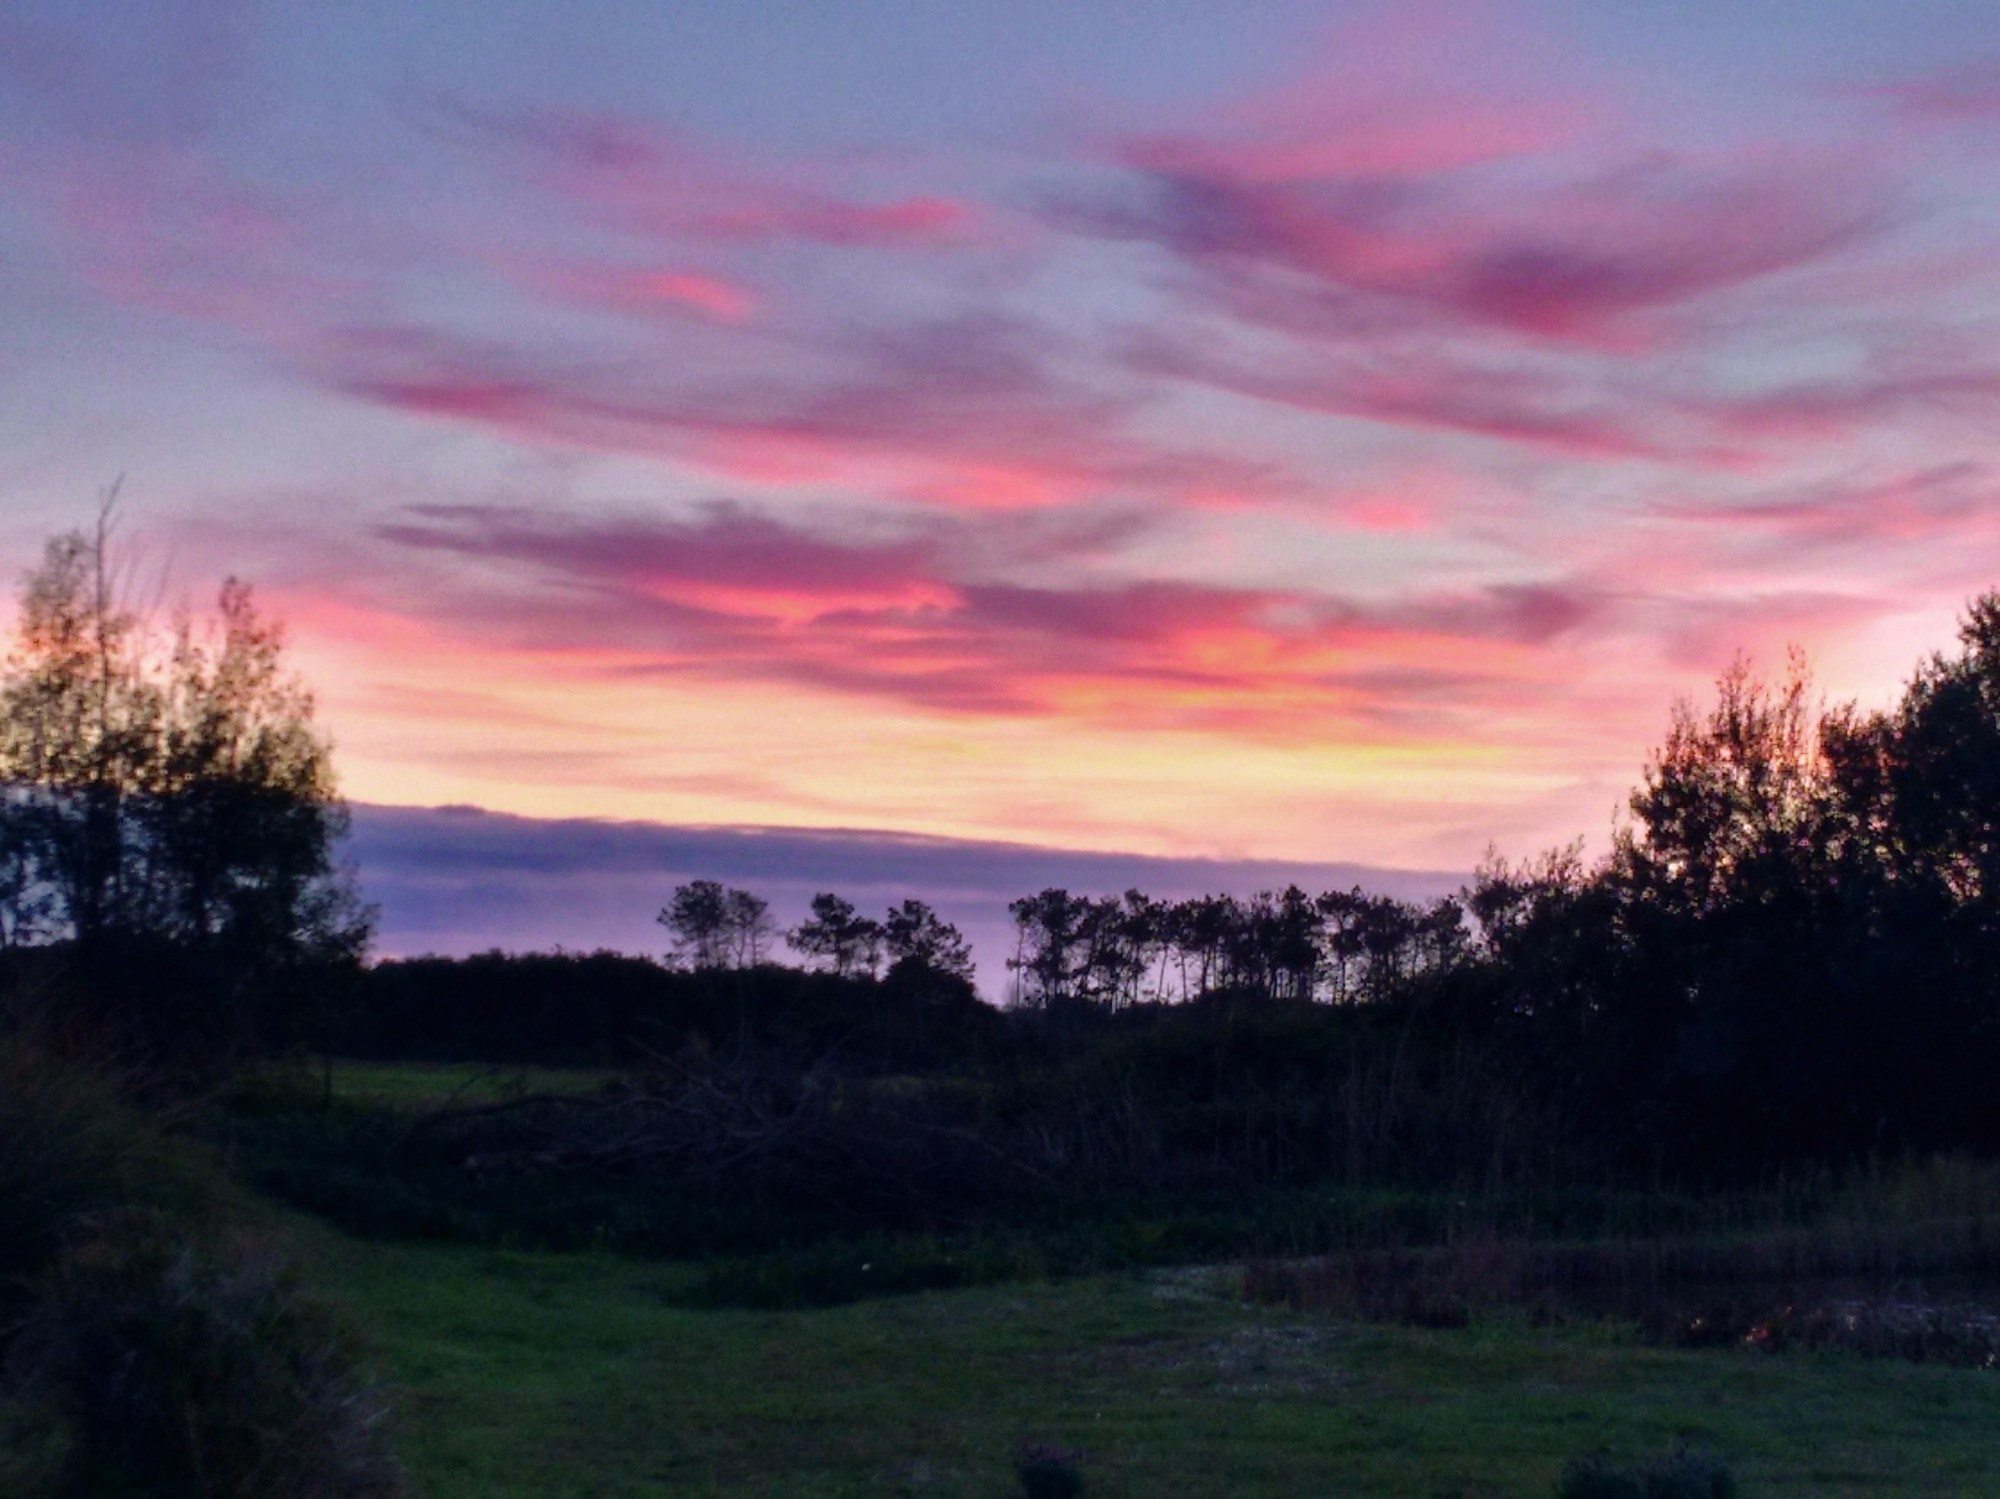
70, 1155
1681, 1474
1049, 1472
1598, 1477
157, 1366
63, 1148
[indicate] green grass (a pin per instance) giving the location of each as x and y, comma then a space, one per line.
582, 1374
415, 1087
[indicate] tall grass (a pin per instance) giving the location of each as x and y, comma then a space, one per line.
1884, 1227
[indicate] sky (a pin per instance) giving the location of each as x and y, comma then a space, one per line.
1313, 433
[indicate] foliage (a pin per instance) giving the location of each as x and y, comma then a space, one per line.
164, 792
925, 946
1047, 1471
715, 927
847, 941
72, 1155
607, 1009
1338, 947
158, 1367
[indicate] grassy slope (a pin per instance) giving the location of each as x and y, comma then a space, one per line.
569, 1374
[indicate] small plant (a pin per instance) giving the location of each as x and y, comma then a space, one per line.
1682, 1474
1049, 1472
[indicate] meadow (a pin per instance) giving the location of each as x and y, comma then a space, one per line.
587, 1374
590, 1373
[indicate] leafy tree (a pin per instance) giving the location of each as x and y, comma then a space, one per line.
1922, 782
717, 927
916, 937
698, 916
171, 789
849, 943
1730, 798
1050, 929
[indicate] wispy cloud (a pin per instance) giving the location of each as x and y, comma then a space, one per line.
973, 412
635, 175
1589, 261
931, 616
1968, 94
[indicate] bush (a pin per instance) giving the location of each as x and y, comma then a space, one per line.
1598, 1477
156, 1366
1048, 1472
64, 1144
70, 1155
1681, 1474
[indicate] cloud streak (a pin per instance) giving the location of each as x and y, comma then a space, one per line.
929, 617
635, 176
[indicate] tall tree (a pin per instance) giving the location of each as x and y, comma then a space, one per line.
163, 788
848, 942
698, 916
750, 927
918, 939
717, 927
1731, 796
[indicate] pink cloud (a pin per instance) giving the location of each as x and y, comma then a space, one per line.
1409, 91
1591, 262
1705, 632
930, 617
1530, 407
646, 290
970, 414
1960, 501
157, 224
1964, 95
905, 221
1945, 387
634, 175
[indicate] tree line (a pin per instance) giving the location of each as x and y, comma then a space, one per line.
1791, 948
716, 926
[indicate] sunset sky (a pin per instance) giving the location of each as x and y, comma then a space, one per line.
1272, 431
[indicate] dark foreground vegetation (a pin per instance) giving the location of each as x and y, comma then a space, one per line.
170, 911
1730, 1084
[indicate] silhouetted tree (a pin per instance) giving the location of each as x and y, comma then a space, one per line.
717, 927
1729, 798
169, 790
846, 941
915, 937
698, 916
1049, 948
750, 927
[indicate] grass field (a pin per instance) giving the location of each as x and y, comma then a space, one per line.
575, 1374
419, 1086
